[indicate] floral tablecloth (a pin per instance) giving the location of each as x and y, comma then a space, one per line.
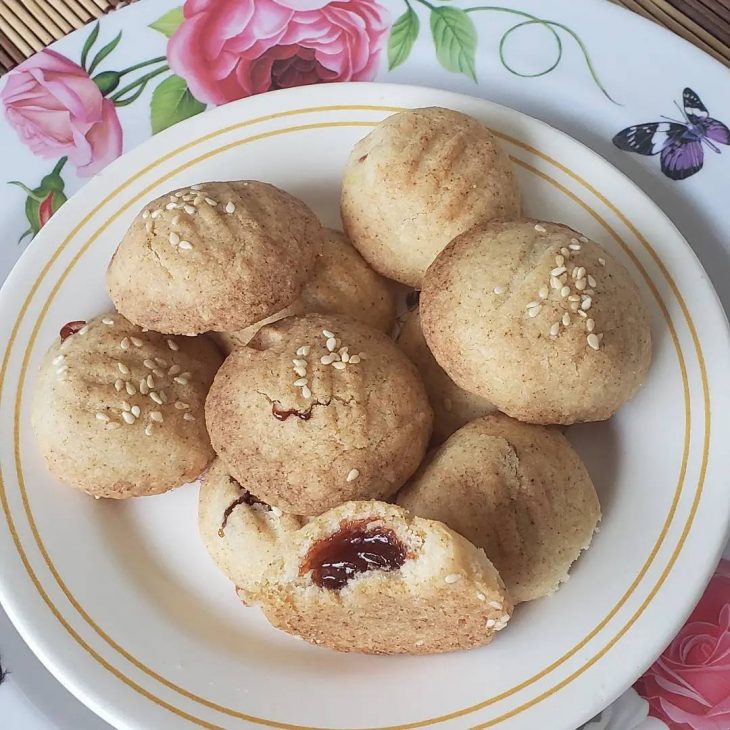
70, 110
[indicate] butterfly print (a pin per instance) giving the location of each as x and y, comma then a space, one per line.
679, 144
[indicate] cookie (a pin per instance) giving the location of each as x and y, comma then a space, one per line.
342, 284
118, 411
369, 577
419, 179
319, 410
539, 320
452, 406
215, 256
242, 534
516, 490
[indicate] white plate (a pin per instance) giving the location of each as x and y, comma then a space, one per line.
121, 601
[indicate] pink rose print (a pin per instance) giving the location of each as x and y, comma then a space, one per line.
227, 49
688, 687
57, 110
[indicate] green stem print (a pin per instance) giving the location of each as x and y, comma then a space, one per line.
455, 39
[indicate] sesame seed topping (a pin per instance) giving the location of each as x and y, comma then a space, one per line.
555, 283
361, 355
328, 334
150, 381
354, 359
299, 363
136, 411
185, 245
481, 597
156, 213
590, 324
602, 261
345, 356
580, 272
452, 578
582, 239
300, 383
534, 311
124, 344
210, 201
353, 474
530, 305
136, 341
306, 392
543, 292
574, 245
83, 330
331, 344
123, 369
126, 406
566, 320
150, 364
580, 284
174, 238
197, 186
593, 341
170, 206
128, 417
581, 313
230, 207
143, 387
61, 369
591, 280
339, 365
420, 642
565, 252
558, 270
129, 387
102, 417
554, 329
118, 384
163, 395
189, 209
148, 429
303, 351
300, 371
586, 304
112, 425
560, 259
156, 416
179, 193
276, 511
188, 417
160, 362
181, 405
181, 381
565, 291
326, 359
496, 604
499, 290
574, 298
145, 214
540, 229
58, 359
174, 369
155, 397
107, 321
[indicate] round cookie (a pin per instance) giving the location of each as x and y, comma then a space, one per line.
369, 577
516, 490
313, 428
342, 284
419, 179
452, 406
242, 534
537, 319
118, 411
215, 256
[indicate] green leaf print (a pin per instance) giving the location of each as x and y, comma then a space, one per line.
168, 23
403, 35
171, 103
455, 39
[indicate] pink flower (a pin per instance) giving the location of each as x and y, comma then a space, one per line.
228, 49
688, 687
57, 110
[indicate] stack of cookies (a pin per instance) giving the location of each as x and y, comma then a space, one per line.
376, 485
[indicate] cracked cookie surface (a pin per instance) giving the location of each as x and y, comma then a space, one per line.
319, 410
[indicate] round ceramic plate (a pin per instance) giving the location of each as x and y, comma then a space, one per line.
122, 603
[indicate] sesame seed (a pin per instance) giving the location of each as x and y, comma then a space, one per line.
136, 411
452, 578
174, 238
155, 397
118, 384
189, 209
163, 395
300, 371
581, 313
554, 329
300, 383
543, 292
591, 280
188, 417
156, 416
306, 392
361, 355
565, 291
602, 261
574, 245
159, 372
566, 319
174, 369
150, 381
185, 245
339, 365
181, 405
179, 193
136, 341
123, 369
540, 229
170, 206
580, 273
593, 341
276, 511
61, 369
145, 214
197, 186
328, 334
58, 359
112, 425
156, 213
586, 304
558, 270
230, 208
326, 359
499, 290
582, 239
354, 359
143, 387
420, 642
565, 252
331, 344
124, 344
102, 417
574, 306
131, 390
534, 311
530, 305
574, 298
181, 380
128, 417
299, 363
303, 351
590, 324
149, 364
126, 406
481, 597
210, 201
580, 284
560, 259
353, 474
148, 429
555, 283
84, 329
496, 604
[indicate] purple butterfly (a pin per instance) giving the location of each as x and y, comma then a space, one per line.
680, 143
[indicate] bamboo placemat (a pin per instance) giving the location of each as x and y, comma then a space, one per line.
27, 26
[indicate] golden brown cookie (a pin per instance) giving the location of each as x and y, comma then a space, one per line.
342, 283
452, 406
537, 319
419, 179
369, 577
118, 411
215, 256
242, 534
516, 490
318, 410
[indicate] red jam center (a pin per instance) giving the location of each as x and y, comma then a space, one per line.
245, 498
71, 328
280, 414
353, 549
